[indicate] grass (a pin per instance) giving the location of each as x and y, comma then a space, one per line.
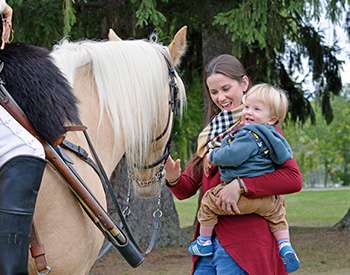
307, 209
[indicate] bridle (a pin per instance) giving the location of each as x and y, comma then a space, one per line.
174, 103
173, 111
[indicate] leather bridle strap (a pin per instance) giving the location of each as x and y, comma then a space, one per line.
38, 253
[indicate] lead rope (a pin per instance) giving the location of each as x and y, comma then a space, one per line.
157, 215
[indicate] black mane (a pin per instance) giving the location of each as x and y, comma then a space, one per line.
39, 88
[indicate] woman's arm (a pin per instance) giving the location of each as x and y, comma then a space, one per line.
285, 179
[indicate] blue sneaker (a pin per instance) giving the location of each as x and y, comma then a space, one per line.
201, 248
289, 258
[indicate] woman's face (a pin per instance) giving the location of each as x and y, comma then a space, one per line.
225, 92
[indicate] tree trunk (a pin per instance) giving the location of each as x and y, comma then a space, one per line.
141, 218
344, 223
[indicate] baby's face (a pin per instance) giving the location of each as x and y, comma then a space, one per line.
256, 112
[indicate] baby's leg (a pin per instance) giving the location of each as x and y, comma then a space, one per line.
288, 254
273, 210
279, 228
207, 217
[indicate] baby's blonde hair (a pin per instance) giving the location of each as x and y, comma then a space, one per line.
274, 98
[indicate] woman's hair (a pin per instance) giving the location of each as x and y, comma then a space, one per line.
226, 65
274, 98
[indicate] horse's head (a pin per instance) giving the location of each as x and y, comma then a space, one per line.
148, 174
138, 89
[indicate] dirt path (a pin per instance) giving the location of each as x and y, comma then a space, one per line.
322, 252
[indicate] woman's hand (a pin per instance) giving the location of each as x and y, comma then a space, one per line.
228, 197
6, 25
173, 170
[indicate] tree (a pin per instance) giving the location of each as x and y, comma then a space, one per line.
344, 223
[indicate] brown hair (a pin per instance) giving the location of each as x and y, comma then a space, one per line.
229, 66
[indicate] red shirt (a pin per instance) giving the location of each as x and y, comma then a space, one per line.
247, 238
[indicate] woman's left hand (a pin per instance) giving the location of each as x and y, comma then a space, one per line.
228, 197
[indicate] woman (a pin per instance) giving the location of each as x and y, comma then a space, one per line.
22, 163
243, 244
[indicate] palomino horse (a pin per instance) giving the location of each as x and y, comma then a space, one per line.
122, 89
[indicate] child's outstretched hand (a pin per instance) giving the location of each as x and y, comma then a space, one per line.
173, 170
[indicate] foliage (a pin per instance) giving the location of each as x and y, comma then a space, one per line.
267, 29
147, 13
37, 22
69, 16
322, 146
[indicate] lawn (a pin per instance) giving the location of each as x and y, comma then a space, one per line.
307, 209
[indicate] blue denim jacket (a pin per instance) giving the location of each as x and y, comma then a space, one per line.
252, 151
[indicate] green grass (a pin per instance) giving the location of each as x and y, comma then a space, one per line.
317, 208
307, 209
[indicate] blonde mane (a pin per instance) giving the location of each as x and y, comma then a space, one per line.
133, 85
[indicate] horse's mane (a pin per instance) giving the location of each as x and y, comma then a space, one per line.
39, 88
133, 82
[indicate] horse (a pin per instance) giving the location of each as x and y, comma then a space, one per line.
122, 93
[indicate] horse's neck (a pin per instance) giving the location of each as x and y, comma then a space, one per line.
100, 131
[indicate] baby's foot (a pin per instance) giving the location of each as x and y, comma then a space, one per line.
289, 258
201, 248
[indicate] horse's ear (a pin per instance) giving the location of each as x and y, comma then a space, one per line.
112, 36
177, 47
